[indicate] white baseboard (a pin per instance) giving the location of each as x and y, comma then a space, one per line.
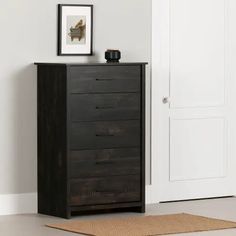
149, 195
26, 203
12, 204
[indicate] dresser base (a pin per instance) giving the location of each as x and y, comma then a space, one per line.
97, 209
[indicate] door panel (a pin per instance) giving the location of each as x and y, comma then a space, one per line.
197, 52
197, 149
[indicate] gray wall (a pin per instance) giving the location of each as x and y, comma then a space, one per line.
28, 34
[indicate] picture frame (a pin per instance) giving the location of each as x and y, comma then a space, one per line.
75, 30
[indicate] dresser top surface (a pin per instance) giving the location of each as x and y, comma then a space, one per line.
91, 64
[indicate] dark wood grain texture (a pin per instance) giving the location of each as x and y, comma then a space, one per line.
142, 138
52, 149
105, 162
91, 137
105, 134
103, 190
100, 79
101, 107
130, 206
91, 64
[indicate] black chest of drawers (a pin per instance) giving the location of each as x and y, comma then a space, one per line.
91, 137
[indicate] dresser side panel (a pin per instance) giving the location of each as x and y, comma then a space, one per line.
52, 143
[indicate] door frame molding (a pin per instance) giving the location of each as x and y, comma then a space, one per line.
156, 103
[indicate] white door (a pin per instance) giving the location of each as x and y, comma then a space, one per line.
193, 121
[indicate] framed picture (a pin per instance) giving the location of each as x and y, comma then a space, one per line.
75, 30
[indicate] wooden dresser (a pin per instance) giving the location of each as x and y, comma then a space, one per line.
91, 137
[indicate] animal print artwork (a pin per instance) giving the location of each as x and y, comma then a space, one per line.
76, 26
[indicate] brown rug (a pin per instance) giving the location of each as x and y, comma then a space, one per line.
145, 225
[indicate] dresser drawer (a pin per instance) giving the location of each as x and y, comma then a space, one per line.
99, 79
96, 107
100, 135
107, 162
116, 189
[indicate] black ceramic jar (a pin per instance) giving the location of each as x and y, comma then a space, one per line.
112, 55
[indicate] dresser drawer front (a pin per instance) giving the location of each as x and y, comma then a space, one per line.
96, 107
100, 135
104, 79
107, 162
116, 189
